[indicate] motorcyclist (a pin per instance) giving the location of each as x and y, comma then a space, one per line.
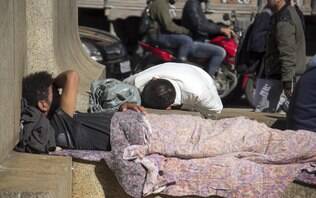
163, 31
195, 20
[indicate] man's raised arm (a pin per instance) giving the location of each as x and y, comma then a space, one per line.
68, 81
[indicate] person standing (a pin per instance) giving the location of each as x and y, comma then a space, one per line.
302, 111
284, 59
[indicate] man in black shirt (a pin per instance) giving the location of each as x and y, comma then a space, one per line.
72, 129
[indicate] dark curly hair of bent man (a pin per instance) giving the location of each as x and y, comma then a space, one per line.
158, 94
35, 87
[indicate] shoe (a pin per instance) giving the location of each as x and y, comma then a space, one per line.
217, 85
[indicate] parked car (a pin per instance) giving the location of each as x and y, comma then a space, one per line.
106, 49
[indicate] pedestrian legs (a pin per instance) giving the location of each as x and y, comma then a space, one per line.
267, 97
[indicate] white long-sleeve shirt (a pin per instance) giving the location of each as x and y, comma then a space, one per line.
195, 89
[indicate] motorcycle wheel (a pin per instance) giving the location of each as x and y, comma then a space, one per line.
250, 91
226, 81
236, 94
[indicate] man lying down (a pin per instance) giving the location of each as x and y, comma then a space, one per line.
174, 155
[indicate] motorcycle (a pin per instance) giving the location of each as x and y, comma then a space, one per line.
226, 78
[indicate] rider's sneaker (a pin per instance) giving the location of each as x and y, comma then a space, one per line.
217, 85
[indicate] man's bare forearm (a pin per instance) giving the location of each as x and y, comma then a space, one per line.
68, 81
63, 77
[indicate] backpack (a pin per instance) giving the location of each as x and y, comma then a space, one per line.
144, 21
110, 94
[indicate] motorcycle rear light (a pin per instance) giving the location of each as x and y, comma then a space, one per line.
230, 60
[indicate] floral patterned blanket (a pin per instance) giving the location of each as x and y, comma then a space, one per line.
182, 155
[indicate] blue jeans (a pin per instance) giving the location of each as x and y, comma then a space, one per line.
182, 43
216, 55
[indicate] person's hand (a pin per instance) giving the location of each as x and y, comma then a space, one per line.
288, 88
288, 92
132, 106
227, 32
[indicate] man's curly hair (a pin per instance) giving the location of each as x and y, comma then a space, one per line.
35, 87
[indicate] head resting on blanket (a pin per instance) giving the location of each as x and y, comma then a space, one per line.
158, 94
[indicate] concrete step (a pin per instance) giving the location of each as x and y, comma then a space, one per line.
274, 120
41, 176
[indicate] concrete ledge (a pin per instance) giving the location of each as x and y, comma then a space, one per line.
30, 175
274, 120
95, 180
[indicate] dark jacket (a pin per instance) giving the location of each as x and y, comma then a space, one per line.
252, 47
36, 135
285, 54
301, 15
195, 20
260, 29
302, 112
161, 21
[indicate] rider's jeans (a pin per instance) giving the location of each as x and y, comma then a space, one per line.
216, 55
181, 42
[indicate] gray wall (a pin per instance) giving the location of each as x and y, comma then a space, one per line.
12, 60
37, 35
53, 43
